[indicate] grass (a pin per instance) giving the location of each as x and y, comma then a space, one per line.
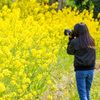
63, 76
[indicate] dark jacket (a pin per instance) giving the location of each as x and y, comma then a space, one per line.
83, 59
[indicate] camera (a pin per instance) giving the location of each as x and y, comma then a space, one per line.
69, 32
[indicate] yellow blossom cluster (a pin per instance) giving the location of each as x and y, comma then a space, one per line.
31, 37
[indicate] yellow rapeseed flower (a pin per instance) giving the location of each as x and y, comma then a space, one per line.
6, 72
39, 77
34, 52
2, 87
1, 75
66, 93
34, 92
50, 97
13, 82
98, 15
20, 90
24, 87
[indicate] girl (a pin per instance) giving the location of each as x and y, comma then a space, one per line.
83, 49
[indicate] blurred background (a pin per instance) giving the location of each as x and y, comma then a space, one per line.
80, 4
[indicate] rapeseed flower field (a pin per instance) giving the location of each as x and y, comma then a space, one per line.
31, 39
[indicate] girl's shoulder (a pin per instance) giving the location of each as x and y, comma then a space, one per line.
75, 40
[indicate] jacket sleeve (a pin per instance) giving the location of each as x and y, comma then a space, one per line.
70, 48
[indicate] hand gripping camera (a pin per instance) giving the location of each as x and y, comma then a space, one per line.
69, 32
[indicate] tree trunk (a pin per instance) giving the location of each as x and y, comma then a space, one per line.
50, 2
55, 1
61, 4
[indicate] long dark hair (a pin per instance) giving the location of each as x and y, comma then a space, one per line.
85, 39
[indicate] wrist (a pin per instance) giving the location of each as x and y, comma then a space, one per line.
71, 38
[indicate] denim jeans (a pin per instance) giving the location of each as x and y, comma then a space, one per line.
84, 80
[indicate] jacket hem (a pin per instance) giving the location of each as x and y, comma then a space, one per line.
77, 68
